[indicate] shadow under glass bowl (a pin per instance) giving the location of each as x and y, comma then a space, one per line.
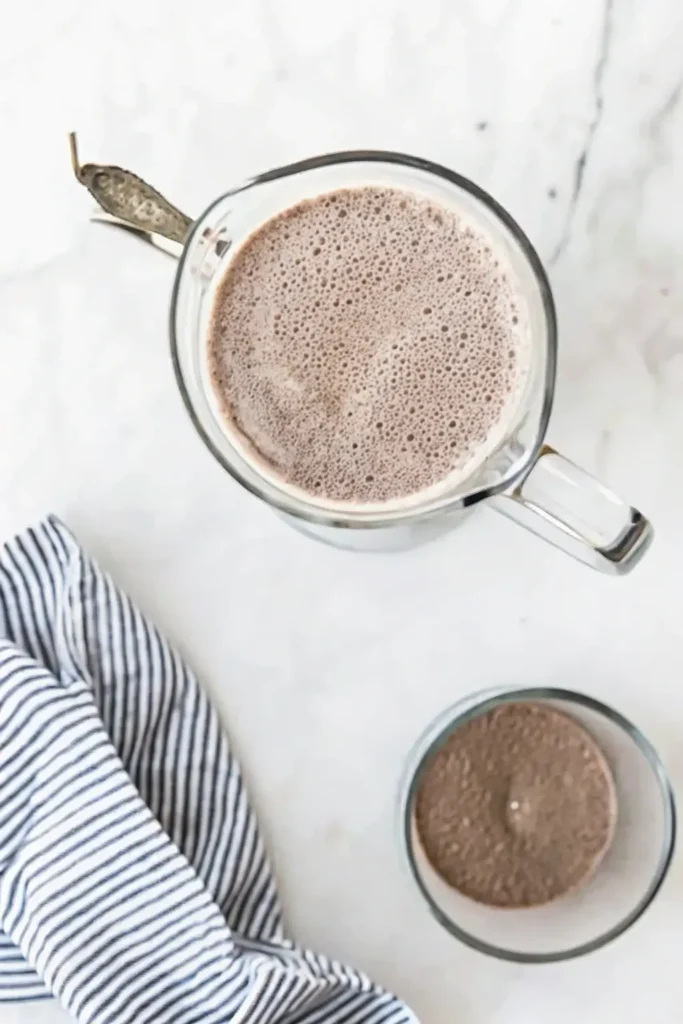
625, 883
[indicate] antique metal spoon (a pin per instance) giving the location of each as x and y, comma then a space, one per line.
128, 202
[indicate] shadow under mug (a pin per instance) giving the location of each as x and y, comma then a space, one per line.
524, 478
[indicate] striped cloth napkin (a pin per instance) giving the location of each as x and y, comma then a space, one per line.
133, 881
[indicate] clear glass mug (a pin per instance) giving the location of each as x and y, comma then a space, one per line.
524, 478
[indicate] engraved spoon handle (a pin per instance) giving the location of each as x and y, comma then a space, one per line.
130, 203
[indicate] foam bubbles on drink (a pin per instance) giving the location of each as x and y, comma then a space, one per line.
367, 344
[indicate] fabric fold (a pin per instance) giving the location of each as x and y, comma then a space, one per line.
133, 881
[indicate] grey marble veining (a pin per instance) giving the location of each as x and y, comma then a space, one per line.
326, 665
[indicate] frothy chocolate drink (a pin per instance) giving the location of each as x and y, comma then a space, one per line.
518, 807
368, 345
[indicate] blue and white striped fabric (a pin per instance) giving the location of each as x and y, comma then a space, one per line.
133, 882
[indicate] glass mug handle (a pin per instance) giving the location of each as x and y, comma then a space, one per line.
568, 507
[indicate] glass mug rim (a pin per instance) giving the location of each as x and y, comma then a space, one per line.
317, 514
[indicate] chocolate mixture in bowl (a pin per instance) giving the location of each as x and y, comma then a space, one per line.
518, 807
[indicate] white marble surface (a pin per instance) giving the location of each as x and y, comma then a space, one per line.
324, 664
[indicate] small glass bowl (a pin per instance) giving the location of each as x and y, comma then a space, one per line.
625, 883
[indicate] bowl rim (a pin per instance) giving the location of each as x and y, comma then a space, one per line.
479, 703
